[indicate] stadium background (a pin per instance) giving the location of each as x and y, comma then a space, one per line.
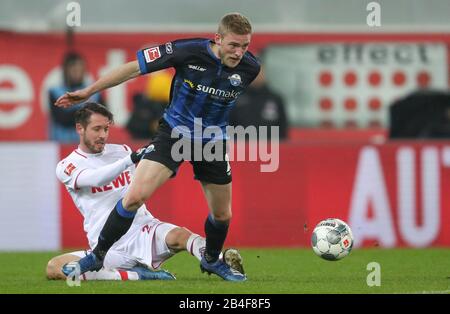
336, 163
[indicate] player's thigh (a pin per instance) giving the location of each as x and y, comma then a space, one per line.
56, 263
154, 169
215, 176
216, 171
218, 197
148, 176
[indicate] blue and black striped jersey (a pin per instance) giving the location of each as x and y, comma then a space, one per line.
202, 86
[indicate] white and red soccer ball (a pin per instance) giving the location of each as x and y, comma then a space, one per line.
332, 239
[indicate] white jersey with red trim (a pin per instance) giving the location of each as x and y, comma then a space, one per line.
96, 182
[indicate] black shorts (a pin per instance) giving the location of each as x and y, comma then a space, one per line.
214, 171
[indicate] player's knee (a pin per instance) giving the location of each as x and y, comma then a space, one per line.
53, 270
222, 215
133, 200
176, 239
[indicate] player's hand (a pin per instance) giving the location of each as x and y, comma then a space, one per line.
72, 98
136, 156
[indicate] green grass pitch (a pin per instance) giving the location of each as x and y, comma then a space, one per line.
285, 271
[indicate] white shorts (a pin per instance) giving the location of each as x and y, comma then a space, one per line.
142, 244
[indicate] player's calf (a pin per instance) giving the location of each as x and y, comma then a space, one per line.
54, 266
53, 270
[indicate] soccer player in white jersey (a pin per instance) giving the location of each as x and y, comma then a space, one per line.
97, 175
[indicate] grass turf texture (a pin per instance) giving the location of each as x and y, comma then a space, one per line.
287, 271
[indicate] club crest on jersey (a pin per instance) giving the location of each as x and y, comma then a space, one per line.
235, 79
69, 169
151, 54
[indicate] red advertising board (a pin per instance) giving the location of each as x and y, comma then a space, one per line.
392, 195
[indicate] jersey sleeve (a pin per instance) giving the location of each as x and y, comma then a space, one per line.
76, 178
68, 171
103, 175
160, 57
127, 148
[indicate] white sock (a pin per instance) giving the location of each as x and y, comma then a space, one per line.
196, 246
110, 274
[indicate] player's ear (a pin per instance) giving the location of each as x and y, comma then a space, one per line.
217, 39
79, 128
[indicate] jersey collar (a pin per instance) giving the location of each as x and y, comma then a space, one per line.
86, 155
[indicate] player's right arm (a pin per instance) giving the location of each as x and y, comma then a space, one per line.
148, 60
76, 175
123, 73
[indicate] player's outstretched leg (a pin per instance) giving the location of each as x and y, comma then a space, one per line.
140, 272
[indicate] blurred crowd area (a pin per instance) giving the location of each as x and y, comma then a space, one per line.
326, 69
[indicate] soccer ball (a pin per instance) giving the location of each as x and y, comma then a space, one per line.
332, 239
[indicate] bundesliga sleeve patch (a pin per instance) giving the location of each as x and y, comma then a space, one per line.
151, 54
69, 169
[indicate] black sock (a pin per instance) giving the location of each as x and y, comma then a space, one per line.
117, 224
216, 233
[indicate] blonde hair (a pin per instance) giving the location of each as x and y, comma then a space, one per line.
234, 23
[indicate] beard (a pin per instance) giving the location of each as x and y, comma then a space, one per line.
95, 147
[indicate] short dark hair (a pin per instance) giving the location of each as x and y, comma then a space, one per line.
83, 114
